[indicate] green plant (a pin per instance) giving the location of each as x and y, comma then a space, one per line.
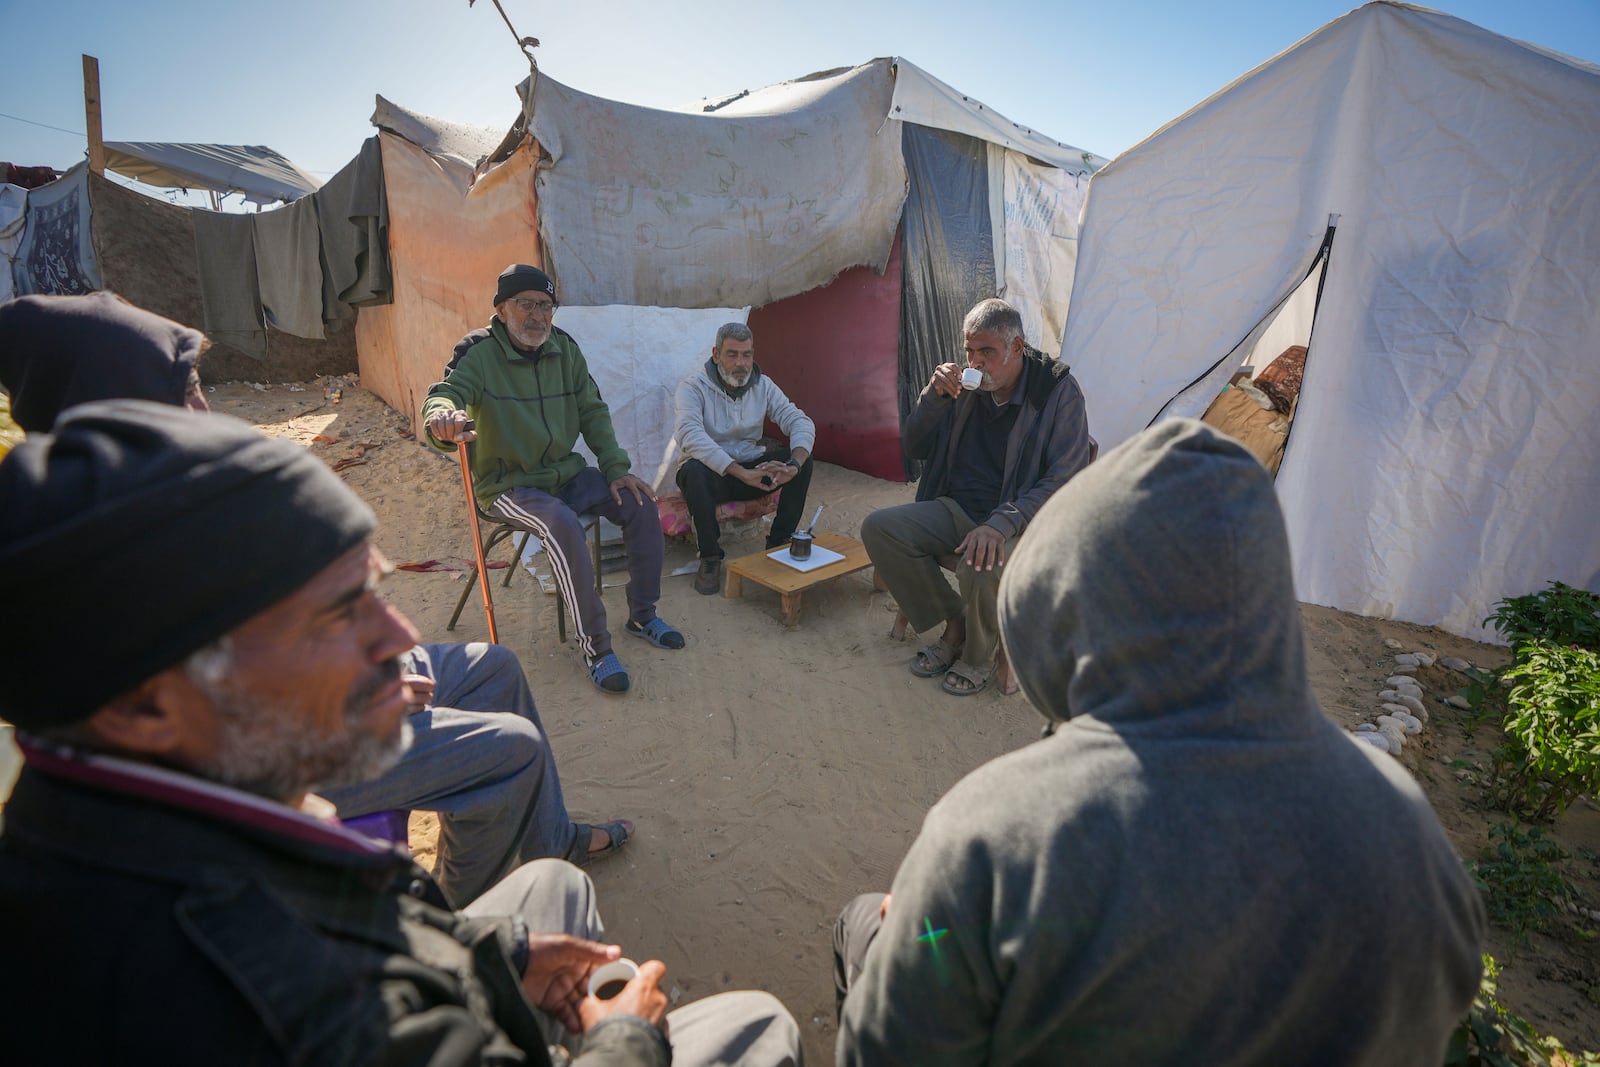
1551, 753
1486, 697
1518, 877
1559, 613
1492, 1036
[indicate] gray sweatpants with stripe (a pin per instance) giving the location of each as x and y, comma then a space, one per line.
553, 518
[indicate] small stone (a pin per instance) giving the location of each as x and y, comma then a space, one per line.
1402, 668
1375, 740
1413, 724
1454, 664
1410, 703
1424, 659
1389, 642
1396, 681
1396, 710
1459, 701
1407, 659
1366, 728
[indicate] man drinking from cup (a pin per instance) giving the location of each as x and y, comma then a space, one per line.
993, 456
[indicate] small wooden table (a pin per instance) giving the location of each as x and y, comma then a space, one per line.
789, 583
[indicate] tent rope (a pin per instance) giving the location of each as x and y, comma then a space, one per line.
527, 44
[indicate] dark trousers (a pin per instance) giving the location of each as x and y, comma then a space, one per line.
853, 932
703, 489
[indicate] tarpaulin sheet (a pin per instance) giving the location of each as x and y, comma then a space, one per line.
1041, 206
56, 255
637, 356
1443, 451
459, 142
640, 206
256, 172
949, 253
448, 242
921, 98
835, 352
13, 217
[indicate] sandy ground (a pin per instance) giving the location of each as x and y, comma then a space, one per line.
772, 773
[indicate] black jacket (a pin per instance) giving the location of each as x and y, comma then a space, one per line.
1048, 444
140, 932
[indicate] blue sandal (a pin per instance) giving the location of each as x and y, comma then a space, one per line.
657, 632
580, 853
607, 673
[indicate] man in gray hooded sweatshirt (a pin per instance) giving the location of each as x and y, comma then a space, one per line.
1195, 866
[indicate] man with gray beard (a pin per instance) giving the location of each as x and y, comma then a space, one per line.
480, 757
521, 388
722, 409
171, 888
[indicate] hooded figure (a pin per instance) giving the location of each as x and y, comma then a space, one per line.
56, 351
1196, 866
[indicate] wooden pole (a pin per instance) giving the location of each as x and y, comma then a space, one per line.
91, 114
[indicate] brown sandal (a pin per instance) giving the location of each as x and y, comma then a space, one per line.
933, 660
976, 679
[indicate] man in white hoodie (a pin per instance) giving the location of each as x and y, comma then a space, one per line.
722, 408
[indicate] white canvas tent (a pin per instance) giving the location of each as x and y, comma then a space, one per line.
1445, 451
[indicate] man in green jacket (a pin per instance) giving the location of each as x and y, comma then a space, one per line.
527, 386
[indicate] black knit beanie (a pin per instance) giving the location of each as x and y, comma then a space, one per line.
57, 351
137, 533
519, 278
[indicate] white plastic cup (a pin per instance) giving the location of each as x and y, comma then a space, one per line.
971, 378
607, 981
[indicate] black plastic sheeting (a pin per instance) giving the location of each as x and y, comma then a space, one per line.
949, 253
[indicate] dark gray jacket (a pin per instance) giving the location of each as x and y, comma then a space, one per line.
1048, 444
1198, 867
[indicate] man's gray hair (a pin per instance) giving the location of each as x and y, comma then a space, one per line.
994, 316
736, 331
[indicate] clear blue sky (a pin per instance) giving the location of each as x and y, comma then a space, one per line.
300, 76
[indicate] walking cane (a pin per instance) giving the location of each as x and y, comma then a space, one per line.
477, 539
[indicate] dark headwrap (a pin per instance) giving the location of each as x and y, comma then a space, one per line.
138, 533
57, 351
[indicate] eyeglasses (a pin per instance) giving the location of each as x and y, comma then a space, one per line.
534, 307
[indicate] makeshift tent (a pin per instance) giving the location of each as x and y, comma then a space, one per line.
787, 200
255, 172
1440, 185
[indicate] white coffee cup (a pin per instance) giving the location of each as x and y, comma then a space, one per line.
971, 378
607, 980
